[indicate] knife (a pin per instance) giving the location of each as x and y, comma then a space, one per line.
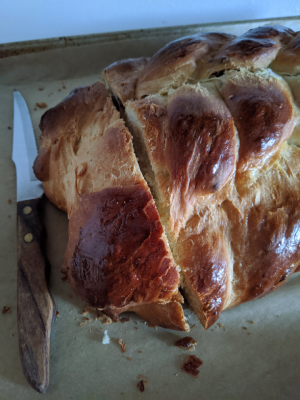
35, 305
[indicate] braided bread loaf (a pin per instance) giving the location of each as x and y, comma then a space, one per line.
215, 122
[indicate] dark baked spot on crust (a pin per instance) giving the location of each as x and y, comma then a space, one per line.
200, 150
261, 112
192, 365
119, 256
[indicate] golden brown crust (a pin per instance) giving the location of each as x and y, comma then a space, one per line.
262, 108
288, 58
203, 254
191, 143
115, 255
255, 49
122, 77
236, 238
245, 247
179, 61
265, 230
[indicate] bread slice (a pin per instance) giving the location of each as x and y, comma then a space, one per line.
117, 257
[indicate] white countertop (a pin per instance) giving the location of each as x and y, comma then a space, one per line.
54, 18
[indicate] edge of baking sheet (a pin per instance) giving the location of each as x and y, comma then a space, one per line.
33, 46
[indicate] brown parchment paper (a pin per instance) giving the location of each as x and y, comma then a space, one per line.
260, 362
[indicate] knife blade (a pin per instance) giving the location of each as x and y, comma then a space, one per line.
35, 305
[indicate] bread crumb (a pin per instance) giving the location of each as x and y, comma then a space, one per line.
135, 327
220, 325
9, 127
252, 322
97, 315
124, 319
141, 386
106, 339
243, 327
41, 88
57, 312
187, 342
41, 105
140, 351
9, 201
9, 216
81, 324
123, 345
6, 310
249, 333
192, 365
64, 87
86, 319
193, 326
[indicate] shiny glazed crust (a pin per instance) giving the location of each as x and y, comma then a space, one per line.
217, 135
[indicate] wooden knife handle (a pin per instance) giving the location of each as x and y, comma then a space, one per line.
36, 308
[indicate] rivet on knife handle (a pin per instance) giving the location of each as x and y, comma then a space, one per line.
36, 307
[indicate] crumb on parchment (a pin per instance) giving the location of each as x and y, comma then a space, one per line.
192, 365
187, 342
105, 319
123, 345
41, 105
124, 319
6, 310
141, 386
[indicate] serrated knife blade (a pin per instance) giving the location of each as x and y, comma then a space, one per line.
35, 306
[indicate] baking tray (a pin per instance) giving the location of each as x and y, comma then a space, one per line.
260, 362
